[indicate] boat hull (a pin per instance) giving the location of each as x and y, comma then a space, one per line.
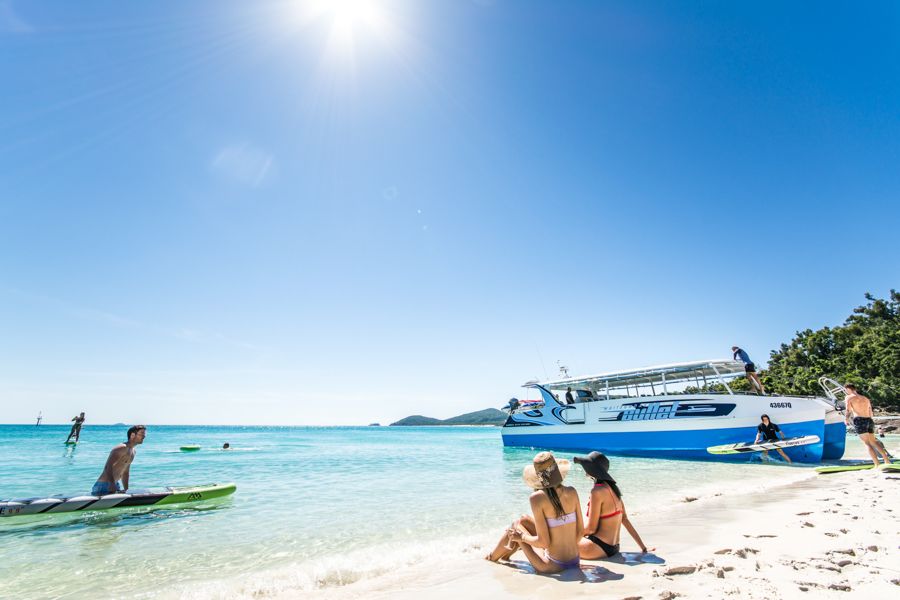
679, 426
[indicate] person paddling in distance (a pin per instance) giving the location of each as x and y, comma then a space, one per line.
605, 512
549, 537
114, 477
770, 432
860, 408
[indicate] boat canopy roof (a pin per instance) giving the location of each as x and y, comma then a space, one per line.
687, 372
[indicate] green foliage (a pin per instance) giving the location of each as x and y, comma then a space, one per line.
865, 351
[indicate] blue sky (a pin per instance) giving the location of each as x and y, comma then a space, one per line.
344, 212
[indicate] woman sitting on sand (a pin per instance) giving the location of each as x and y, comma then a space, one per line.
606, 512
556, 525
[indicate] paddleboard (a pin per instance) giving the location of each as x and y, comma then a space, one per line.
87, 502
894, 468
859, 466
774, 445
190, 448
71, 443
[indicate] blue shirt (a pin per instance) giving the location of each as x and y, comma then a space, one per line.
740, 354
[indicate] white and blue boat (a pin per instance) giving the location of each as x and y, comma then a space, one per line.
675, 411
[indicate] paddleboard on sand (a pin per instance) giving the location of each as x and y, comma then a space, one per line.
190, 448
746, 447
857, 466
87, 502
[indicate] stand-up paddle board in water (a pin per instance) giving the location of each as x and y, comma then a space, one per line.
774, 445
71, 443
190, 448
859, 466
87, 503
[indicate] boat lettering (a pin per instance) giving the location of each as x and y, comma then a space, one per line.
652, 412
779, 405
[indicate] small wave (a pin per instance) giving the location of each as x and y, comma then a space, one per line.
379, 566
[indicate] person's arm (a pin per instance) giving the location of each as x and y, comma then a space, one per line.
579, 520
542, 539
756, 441
125, 477
626, 522
595, 509
848, 412
780, 432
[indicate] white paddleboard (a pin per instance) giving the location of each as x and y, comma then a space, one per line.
768, 445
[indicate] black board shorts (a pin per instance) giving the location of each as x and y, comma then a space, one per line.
863, 425
749, 367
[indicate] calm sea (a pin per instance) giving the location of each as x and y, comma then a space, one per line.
308, 499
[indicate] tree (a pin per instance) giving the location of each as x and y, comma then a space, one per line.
865, 351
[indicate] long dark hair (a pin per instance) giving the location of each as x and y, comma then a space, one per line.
555, 501
613, 487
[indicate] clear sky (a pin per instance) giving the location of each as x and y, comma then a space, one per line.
342, 212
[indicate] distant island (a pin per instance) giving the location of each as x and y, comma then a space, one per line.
488, 416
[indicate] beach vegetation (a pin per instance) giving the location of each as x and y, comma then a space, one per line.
864, 350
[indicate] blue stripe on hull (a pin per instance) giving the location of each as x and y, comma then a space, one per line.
835, 439
691, 444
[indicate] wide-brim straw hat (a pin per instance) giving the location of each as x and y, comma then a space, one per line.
596, 465
545, 471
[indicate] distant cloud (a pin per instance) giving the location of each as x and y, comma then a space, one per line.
243, 163
10, 21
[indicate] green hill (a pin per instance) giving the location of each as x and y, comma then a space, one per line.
488, 416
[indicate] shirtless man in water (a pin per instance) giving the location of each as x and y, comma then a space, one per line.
861, 408
114, 477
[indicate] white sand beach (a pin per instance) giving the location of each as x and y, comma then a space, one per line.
826, 536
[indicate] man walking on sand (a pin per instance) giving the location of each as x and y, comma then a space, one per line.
114, 477
860, 408
749, 368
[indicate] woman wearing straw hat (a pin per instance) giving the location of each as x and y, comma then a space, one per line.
606, 512
556, 525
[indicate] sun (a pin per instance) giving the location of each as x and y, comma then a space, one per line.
348, 21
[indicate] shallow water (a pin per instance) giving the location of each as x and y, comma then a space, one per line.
306, 497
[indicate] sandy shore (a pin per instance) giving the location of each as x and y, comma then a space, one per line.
826, 536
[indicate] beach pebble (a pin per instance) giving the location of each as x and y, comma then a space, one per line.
633, 598
722, 551
803, 514
681, 570
727, 569
667, 595
840, 587
808, 524
844, 563
720, 573
848, 531
848, 551
742, 552
689, 499
873, 548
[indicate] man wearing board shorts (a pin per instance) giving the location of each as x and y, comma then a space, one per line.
860, 408
749, 369
114, 477
770, 432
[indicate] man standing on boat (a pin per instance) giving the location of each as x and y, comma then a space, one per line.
749, 368
76, 427
569, 398
770, 432
860, 408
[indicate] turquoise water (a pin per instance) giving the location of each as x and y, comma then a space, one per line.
306, 497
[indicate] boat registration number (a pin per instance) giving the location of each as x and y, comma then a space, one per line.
779, 405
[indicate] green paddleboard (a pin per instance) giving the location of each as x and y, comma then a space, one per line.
860, 466
71, 443
190, 448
